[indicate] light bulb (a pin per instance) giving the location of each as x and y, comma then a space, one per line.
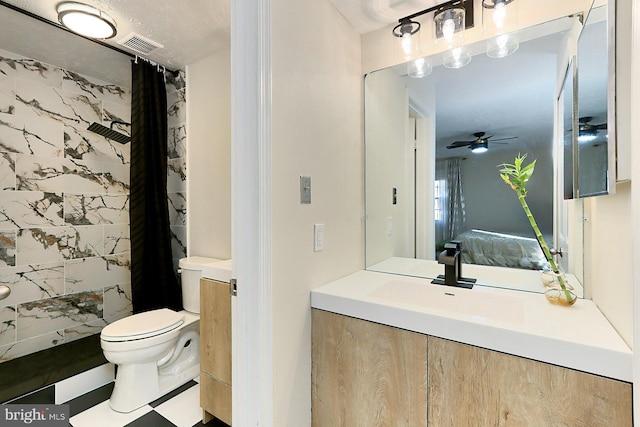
502, 40
586, 137
456, 58
419, 68
499, 15
501, 46
448, 29
407, 45
449, 24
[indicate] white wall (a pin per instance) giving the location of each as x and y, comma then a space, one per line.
387, 112
209, 156
608, 262
634, 232
608, 228
316, 131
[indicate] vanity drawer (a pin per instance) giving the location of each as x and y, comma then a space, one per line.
215, 398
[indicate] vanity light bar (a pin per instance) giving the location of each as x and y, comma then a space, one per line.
407, 21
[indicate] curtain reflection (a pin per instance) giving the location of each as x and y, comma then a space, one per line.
449, 200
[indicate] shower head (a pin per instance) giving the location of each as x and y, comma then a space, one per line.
109, 132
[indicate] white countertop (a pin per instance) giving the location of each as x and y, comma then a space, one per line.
520, 323
496, 277
219, 270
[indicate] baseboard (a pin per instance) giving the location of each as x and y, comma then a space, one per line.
84, 382
24, 375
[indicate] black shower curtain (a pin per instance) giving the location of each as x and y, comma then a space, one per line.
153, 281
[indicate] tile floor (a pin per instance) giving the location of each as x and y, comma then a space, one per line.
179, 408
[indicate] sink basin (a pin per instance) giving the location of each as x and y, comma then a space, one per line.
477, 303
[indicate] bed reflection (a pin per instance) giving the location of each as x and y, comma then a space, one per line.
501, 250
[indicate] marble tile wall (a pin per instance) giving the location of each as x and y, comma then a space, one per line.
177, 165
64, 203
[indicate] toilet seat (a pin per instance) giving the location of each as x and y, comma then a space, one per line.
142, 325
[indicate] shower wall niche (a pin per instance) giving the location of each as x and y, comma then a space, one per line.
64, 203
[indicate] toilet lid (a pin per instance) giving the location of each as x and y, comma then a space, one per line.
143, 325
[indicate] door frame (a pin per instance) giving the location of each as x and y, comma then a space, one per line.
252, 367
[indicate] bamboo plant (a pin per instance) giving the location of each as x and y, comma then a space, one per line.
517, 175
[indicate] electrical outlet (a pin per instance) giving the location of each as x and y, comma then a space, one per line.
389, 225
318, 237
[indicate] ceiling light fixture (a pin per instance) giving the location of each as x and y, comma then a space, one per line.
456, 58
500, 12
501, 21
587, 131
450, 25
502, 46
480, 146
405, 31
451, 19
86, 20
587, 135
419, 68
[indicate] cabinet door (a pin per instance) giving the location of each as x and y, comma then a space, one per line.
215, 329
366, 374
471, 386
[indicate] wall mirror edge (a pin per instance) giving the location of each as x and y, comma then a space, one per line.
597, 175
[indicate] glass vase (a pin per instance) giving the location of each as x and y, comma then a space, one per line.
551, 279
554, 292
558, 296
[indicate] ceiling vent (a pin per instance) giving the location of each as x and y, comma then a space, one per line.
139, 44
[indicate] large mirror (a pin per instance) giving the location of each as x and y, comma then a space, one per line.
568, 120
596, 112
425, 185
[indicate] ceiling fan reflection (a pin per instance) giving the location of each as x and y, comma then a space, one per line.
589, 132
480, 144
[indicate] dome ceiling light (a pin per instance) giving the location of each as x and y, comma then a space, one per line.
86, 20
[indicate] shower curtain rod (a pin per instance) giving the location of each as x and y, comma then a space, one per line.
60, 27
159, 68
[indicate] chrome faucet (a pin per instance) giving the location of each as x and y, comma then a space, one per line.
452, 276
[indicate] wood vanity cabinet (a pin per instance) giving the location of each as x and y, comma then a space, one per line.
471, 386
367, 374
215, 350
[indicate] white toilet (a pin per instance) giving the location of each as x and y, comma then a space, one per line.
158, 350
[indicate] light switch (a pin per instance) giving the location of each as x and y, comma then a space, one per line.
305, 190
318, 237
389, 225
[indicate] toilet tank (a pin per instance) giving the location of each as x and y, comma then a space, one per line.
191, 272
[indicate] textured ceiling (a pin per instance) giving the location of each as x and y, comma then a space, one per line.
188, 30
370, 15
